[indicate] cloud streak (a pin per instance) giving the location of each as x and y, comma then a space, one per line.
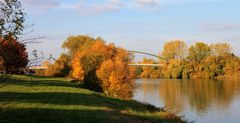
147, 2
94, 8
102, 6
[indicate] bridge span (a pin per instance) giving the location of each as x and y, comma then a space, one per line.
149, 54
131, 64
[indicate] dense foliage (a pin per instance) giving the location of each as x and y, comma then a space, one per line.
116, 76
60, 68
100, 66
201, 61
104, 67
13, 56
174, 49
149, 72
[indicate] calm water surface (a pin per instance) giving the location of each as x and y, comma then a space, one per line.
201, 101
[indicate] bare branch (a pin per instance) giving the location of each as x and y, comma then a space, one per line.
31, 40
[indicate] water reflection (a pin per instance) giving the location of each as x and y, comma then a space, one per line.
196, 99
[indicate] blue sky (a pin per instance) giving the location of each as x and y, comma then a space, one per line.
143, 25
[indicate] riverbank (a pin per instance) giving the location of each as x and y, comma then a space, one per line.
57, 100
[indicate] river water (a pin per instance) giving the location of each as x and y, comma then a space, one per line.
201, 101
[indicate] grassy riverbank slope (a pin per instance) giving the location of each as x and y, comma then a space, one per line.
49, 100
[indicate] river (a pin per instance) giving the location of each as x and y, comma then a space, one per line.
201, 101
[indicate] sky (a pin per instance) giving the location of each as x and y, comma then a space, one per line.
143, 25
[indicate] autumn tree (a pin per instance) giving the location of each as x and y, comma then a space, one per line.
174, 68
225, 65
232, 65
12, 20
190, 68
104, 67
211, 62
61, 67
212, 66
198, 51
220, 49
15, 58
116, 76
76, 47
85, 63
149, 72
175, 49
78, 43
203, 61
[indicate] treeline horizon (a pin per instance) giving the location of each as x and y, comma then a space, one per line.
103, 67
200, 60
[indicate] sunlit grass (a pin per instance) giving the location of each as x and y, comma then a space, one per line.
57, 100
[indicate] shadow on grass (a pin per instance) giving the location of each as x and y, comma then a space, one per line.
36, 81
58, 116
68, 100
93, 101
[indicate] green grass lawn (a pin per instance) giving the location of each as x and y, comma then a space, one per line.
55, 100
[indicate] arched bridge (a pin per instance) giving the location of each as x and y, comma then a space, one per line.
133, 64
149, 54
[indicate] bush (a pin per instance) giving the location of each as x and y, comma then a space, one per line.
60, 68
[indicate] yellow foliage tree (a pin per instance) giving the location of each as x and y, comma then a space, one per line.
220, 49
116, 76
150, 72
174, 68
175, 49
61, 67
104, 67
77, 70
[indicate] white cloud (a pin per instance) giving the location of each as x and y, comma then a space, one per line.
93, 8
98, 8
102, 6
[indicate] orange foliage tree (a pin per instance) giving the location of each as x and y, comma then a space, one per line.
86, 62
150, 72
103, 67
116, 76
61, 67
